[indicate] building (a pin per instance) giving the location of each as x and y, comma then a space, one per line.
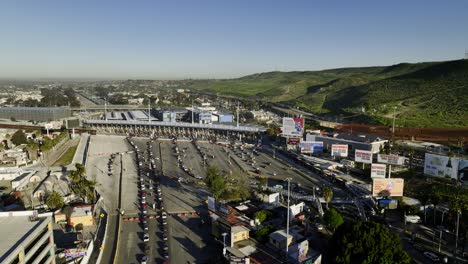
361, 142
223, 117
278, 239
41, 114
26, 238
170, 114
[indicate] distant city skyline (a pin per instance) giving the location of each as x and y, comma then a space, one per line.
221, 39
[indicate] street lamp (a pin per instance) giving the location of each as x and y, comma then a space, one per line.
224, 243
287, 222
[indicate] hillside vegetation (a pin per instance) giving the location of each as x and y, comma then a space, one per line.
431, 94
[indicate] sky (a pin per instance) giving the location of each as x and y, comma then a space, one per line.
155, 39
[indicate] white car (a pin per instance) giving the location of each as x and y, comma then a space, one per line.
431, 256
319, 226
163, 215
146, 237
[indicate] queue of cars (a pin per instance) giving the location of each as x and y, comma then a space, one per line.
148, 186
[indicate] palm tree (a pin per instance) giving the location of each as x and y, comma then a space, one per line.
327, 195
55, 200
435, 199
424, 199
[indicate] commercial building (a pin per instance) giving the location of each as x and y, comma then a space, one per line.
41, 114
26, 238
362, 142
223, 117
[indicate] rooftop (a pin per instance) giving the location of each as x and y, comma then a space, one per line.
280, 235
14, 230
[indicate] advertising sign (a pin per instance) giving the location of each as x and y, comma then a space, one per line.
311, 147
303, 249
363, 156
293, 141
441, 166
387, 187
293, 126
211, 204
391, 159
378, 170
339, 150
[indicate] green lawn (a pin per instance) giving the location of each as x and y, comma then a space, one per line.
67, 157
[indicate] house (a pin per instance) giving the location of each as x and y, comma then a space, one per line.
280, 239
239, 233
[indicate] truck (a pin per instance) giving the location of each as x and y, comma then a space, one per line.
414, 219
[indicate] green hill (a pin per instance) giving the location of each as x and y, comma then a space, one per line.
430, 94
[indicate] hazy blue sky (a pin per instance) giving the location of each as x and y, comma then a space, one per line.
217, 39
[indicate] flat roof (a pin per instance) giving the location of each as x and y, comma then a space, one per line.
14, 230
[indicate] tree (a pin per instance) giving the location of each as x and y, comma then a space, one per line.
13, 119
55, 201
217, 187
424, 199
263, 215
366, 243
211, 173
19, 138
261, 235
327, 195
435, 199
333, 218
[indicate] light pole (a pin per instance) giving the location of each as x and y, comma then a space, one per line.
224, 243
394, 115
287, 222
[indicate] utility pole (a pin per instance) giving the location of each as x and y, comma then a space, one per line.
105, 108
192, 111
149, 110
287, 222
237, 113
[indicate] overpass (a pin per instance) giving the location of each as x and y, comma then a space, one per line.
108, 107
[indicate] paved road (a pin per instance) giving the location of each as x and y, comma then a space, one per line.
101, 147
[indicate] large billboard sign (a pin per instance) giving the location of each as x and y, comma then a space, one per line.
339, 150
378, 170
391, 159
303, 249
311, 146
387, 187
363, 156
293, 126
441, 166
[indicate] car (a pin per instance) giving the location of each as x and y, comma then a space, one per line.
144, 259
431, 256
142, 186
150, 187
145, 227
146, 237
164, 222
319, 226
164, 237
274, 173
142, 193
165, 247
163, 215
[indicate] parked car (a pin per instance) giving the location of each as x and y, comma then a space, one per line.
146, 237
431, 256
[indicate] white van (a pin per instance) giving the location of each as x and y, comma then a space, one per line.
415, 219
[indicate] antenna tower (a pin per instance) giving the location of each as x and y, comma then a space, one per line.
466, 54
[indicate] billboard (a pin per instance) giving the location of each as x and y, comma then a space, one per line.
391, 159
211, 203
293, 126
311, 146
363, 156
339, 150
293, 141
378, 170
441, 166
387, 187
303, 249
